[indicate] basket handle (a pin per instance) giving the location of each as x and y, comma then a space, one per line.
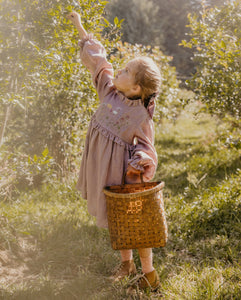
124, 176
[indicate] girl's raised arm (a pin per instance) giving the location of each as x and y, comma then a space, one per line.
76, 20
93, 56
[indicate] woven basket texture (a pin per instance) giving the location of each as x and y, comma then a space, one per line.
136, 216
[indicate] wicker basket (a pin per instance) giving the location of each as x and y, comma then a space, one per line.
136, 216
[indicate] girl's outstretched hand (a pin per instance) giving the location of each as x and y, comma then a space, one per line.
76, 20
74, 17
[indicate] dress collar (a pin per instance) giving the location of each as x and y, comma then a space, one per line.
129, 102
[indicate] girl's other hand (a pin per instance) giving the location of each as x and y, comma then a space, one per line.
133, 175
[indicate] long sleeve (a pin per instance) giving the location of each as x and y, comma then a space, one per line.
93, 56
144, 156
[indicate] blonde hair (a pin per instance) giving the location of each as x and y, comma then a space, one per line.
148, 76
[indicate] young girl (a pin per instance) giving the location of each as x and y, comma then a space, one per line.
120, 138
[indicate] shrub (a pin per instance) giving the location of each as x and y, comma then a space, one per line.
216, 38
20, 171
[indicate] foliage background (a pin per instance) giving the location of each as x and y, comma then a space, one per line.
216, 41
46, 101
160, 23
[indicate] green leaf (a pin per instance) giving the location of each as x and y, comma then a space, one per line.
104, 2
106, 22
223, 45
35, 46
116, 21
45, 152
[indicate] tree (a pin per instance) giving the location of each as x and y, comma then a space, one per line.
216, 40
43, 82
46, 95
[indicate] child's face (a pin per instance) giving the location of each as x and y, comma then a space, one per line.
124, 81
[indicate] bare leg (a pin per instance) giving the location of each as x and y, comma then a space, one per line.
150, 279
127, 266
146, 260
126, 255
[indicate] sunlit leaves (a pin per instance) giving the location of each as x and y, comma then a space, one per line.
217, 40
51, 94
43, 72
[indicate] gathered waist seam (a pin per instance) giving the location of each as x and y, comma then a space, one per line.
109, 135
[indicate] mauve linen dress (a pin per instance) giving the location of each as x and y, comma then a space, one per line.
114, 127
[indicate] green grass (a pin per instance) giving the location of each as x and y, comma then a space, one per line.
50, 247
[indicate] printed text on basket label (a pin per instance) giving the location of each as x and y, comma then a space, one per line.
134, 207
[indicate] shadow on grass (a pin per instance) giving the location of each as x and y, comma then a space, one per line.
72, 260
187, 158
221, 220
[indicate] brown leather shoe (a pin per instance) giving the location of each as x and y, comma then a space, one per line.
127, 268
149, 280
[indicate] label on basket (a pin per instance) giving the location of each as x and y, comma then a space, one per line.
134, 207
